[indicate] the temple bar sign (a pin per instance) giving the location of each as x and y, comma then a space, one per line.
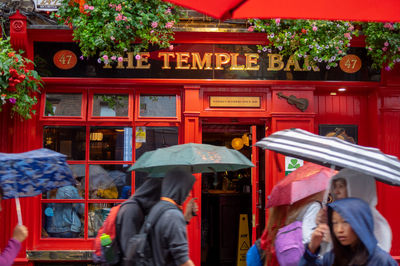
234, 101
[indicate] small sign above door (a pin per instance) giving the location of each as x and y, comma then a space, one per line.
235, 101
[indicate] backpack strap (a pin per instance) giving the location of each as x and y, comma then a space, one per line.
154, 216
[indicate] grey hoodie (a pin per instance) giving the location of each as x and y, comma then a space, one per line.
132, 212
169, 240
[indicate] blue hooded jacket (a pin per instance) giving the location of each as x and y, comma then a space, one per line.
358, 214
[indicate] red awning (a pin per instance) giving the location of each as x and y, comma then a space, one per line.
354, 10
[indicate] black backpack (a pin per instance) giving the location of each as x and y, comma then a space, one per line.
139, 246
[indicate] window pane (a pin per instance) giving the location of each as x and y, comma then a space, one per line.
158, 105
63, 220
68, 104
78, 171
97, 214
110, 105
152, 138
109, 181
111, 143
66, 140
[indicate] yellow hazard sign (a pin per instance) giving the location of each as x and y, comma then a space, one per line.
244, 240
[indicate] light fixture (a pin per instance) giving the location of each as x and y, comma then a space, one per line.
96, 136
342, 89
333, 93
238, 143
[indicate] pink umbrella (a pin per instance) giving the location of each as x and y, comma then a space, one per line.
301, 183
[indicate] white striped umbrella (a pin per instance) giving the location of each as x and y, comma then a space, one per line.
331, 151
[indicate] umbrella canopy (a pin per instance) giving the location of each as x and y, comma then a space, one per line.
332, 151
197, 158
301, 183
31, 173
355, 10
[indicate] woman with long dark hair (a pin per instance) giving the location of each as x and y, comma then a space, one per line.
350, 224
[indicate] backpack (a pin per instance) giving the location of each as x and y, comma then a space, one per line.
111, 253
255, 255
139, 246
289, 245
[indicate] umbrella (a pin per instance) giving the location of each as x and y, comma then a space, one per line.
299, 184
356, 10
29, 174
197, 158
331, 151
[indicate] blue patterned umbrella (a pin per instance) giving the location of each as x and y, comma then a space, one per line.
31, 173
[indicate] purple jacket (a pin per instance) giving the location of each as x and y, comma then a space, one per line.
10, 252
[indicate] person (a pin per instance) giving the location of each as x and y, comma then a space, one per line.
131, 215
168, 240
305, 210
10, 252
350, 183
350, 224
63, 219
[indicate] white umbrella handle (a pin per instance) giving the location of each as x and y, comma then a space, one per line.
18, 207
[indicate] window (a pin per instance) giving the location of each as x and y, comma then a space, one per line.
98, 146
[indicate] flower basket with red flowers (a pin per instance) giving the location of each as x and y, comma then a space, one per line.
18, 82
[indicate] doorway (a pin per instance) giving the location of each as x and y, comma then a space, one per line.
228, 195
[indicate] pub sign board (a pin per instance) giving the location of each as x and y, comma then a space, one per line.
199, 61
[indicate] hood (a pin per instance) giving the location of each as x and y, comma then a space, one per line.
67, 192
358, 214
359, 185
177, 184
148, 193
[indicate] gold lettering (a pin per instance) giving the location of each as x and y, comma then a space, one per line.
275, 62
107, 66
250, 60
221, 59
144, 58
182, 58
166, 59
234, 65
197, 61
292, 62
129, 60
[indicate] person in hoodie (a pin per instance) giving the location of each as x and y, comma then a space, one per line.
168, 238
132, 213
350, 183
351, 225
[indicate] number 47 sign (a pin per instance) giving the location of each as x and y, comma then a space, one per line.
47, 5
350, 63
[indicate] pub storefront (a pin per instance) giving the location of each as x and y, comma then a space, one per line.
213, 88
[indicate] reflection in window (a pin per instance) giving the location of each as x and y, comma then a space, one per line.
111, 143
110, 105
158, 105
97, 214
152, 138
109, 181
66, 140
78, 171
68, 104
64, 220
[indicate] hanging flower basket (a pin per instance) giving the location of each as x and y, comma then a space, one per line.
18, 83
109, 28
383, 44
315, 42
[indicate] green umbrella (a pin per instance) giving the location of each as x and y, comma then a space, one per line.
196, 158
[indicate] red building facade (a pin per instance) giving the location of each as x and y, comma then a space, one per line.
211, 88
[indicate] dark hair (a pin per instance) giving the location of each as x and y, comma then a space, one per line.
1, 192
346, 255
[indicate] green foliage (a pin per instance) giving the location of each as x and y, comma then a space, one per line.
18, 83
314, 41
109, 28
383, 43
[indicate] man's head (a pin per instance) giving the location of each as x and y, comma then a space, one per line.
177, 184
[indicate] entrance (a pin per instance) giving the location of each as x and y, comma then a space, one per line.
227, 195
